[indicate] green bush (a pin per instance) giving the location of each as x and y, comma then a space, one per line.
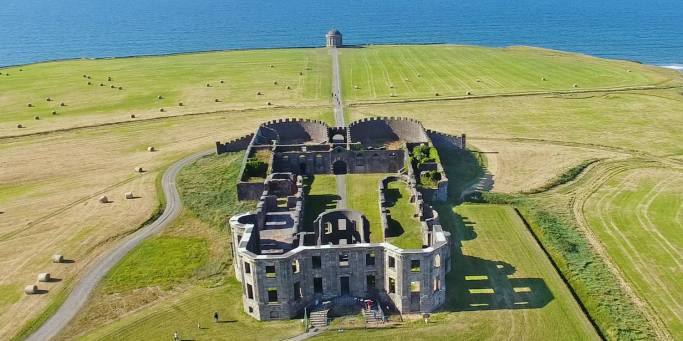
430, 179
256, 168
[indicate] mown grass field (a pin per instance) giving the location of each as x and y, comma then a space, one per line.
362, 194
501, 287
321, 196
638, 216
302, 76
404, 229
410, 72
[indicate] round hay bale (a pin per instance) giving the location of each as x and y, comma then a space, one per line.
112, 86
85, 76
62, 104
139, 169
101, 84
478, 80
30, 105
20, 70
208, 85
259, 93
48, 99
89, 83
628, 70
468, 93
271, 65
44, 277
132, 115
391, 86
543, 79
57, 258
160, 97
150, 149
161, 109
222, 81
436, 94
301, 73
89, 77
419, 75
54, 112
20, 125
129, 195
120, 88
36, 118
289, 87
275, 83
103, 199
180, 104
109, 79
575, 86
216, 100
31, 289
268, 103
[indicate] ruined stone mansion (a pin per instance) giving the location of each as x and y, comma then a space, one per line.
286, 263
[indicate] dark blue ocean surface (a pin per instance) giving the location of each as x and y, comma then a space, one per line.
38, 30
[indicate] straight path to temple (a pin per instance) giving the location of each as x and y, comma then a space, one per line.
338, 119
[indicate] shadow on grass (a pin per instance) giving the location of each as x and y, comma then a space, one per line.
475, 283
394, 228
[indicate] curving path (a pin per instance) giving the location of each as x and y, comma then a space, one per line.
81, 291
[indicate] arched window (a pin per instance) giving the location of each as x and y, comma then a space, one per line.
437, 261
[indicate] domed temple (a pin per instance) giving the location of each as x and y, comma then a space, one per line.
333, 38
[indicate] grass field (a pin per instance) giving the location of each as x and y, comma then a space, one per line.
321, 196
501, 287
404, 230
410, 72
302, 76
638, 216
362, 194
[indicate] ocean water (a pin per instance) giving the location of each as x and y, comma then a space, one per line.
39, 30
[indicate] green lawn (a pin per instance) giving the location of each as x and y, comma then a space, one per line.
178, 78
321, 196
362, 194
501, 286
405, 230
638, 216
408, 72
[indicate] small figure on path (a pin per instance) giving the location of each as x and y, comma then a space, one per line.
215, 317
175, 336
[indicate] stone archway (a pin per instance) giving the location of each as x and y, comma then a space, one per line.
339, 167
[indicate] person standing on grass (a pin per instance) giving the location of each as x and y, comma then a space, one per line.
215, 317
175, 336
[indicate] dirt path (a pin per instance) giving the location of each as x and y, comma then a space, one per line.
84, 287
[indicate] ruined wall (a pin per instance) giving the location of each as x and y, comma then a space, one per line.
375, 130
292, 131
235, 145
447, 141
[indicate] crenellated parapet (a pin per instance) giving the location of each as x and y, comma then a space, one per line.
234, 145
447, 141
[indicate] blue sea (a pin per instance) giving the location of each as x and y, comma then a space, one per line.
39, 30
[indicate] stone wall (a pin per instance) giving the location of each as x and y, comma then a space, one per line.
376, 130
235, 145
447, 141
292, 131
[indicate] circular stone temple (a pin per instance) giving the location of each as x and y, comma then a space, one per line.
333, 38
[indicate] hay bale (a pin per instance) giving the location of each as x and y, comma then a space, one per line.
180, 104
216, 100
222, 81
543, 79
31, 289
112, 86
132, 115
57, 258
109, 79
36, 118
275, 83
161, 109
468, 93
436, 94
289, 87
85, 76
139, 169
129, 195
120, 88
575, 86
301, 73
208, 85
62, 104
30, 105
54, 112
478, 80
271, 65
419, 75
44, 277
103, 199
268, 103
391, 86
160, 97
48, 99
89, 83
20, 125
150, 149
259, 93
628, 70
89, 77
101, 84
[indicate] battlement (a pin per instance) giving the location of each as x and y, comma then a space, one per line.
234, 145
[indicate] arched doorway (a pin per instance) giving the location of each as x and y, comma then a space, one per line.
339, 167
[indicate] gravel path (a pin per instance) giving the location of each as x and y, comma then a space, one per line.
339, 119
84, 287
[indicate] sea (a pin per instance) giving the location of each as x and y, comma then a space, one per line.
647, 31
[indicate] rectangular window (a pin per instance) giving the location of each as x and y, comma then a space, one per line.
318, 285
370, 258
247, 268
297, 291
272, 295
250, 292
437, 284
392, 285
392, 262
370, 281
270, 271
343, 259
317, 262
295, 266
415, 265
